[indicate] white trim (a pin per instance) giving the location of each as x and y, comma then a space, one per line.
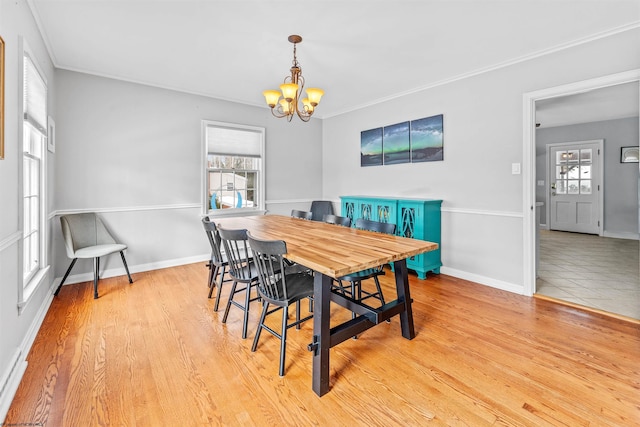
120, 271
621, 235
482, 212
18, 364
529, 158
262, 175
32, 288
488, 281
127, 209
10, 382
10, 240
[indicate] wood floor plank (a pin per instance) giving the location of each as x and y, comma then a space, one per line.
155, 353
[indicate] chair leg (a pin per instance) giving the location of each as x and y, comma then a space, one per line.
265, 308
226, 309
213, 273
215, 307
298, 314
379, 289
124, 261
245, 320
73, 261
96, 271
283, 339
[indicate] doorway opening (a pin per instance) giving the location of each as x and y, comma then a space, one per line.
534, 181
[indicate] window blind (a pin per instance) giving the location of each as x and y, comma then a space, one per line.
35, 96
233, 142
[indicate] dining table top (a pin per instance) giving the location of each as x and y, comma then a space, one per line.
329, 249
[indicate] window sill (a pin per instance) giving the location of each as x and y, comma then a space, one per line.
235, 212
31, 288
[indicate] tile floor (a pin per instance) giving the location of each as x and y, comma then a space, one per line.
594, 271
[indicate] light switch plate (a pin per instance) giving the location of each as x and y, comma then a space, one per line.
515, 168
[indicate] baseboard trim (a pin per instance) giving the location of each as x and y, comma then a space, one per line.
621, 235
483, 280
587, 308
120, 271
11, 379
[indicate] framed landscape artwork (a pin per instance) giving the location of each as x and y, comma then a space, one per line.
416, 141
427, 139
371, 147
396, 144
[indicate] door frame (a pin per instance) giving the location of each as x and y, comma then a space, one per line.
529, 160
600, 182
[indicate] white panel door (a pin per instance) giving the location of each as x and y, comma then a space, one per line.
575, 182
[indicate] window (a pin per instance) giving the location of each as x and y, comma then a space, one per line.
34, 140
234, 168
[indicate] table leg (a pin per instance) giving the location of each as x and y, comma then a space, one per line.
321, 332
402, 287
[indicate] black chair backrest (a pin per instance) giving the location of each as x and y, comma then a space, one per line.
214, 239
236, 247
268, 256
319, 208
380, 227
301, 214
338, 220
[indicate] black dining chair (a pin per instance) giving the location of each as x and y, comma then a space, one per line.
242, 271
295, 213
337, 220
218, 264
278, 289
319, 208
355, 291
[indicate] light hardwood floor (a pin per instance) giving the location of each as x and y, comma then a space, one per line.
155, 354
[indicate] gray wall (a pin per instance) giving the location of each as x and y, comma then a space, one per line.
133, 153
620, 179
482, 221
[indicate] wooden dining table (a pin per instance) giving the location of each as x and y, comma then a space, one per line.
334, 251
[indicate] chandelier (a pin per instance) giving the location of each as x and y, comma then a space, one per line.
291, 90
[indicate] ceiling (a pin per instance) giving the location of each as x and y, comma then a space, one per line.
360, 52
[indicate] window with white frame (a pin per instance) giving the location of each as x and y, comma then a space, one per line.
234, 167
34, 140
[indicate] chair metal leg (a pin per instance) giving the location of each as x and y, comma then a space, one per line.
298, 314
265, 308
96, 271
124, 261
73, 261
283, 338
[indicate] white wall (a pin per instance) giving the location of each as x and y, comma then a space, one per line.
133, 154
482, 220
18, 329
620, 179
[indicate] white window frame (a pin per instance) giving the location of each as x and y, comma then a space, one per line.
27, 285
260, 187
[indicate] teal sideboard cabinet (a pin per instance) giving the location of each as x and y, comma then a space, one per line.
415, 218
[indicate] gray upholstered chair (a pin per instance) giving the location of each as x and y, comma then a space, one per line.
85, 236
